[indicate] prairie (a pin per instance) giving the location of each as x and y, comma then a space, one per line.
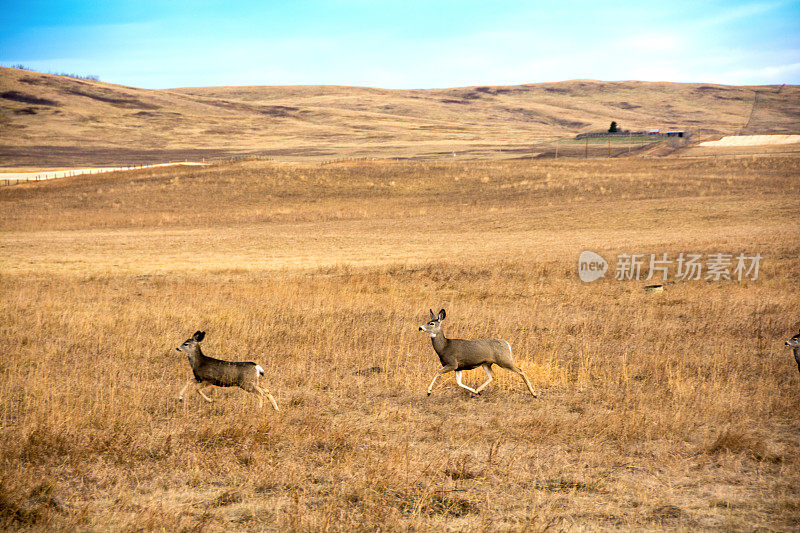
672, 410
58, 121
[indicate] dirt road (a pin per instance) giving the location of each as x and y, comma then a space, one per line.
753, 140
62, 173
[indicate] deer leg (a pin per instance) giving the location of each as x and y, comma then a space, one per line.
183, 390
253, 388
444, 370
488, 369
201, 393
271, 399
516, 370
458, 380
261, 393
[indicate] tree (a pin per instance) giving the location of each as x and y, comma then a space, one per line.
613, 127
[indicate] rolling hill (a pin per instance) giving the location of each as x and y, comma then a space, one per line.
58, 120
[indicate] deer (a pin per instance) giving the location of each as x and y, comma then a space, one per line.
207, 371
457, 355
794, 343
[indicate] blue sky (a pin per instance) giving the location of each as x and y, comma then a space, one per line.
404, 44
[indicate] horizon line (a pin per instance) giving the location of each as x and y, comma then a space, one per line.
97, 78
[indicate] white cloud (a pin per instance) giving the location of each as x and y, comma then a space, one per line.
658, 41
773, 74
740, 12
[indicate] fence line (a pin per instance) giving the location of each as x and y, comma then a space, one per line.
57, 174
541, 151
733, 155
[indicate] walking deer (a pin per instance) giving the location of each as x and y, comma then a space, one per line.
457, 355
794, 342
208, 371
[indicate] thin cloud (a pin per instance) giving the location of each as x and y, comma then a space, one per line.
768, 75
452, 45
740, 12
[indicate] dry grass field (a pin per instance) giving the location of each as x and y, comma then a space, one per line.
668, 411
48, 120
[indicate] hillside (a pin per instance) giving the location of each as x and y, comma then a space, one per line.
56, 120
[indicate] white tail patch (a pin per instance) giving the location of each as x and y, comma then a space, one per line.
260, 370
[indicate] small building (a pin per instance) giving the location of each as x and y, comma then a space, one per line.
653, 131
677, 133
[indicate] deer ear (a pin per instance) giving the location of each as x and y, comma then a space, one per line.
442, 314
433, 317
199, 335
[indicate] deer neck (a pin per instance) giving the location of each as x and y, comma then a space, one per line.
440, 342
196, 357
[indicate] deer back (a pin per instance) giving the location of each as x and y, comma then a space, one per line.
223, 373
468, 354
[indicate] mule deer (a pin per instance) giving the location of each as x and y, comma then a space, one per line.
459, 354
208, 371
794, 342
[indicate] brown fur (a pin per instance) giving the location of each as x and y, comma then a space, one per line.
208, 371
460, 354
794, 343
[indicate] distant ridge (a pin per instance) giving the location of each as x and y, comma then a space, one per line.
57, 120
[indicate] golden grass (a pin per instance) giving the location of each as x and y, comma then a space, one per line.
675, 410
84, 122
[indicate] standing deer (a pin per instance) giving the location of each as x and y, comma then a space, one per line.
457, 355
208, 371
794, 342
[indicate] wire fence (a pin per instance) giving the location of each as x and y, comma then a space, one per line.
49, 175
587, 147
769, 112
600, 146
17, 178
